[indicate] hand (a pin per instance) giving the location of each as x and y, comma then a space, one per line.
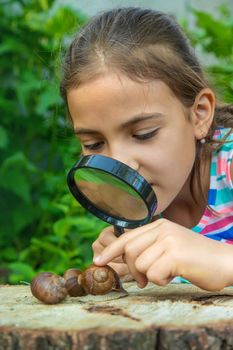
106, 238
162, 250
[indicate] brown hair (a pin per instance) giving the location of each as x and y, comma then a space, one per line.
143, 44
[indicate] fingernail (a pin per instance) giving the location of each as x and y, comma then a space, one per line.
97, 259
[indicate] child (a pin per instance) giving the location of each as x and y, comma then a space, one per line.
136, 92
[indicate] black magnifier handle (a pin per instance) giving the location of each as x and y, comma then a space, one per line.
118, 231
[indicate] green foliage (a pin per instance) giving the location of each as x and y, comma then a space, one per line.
213, 36
41, 225
42, 228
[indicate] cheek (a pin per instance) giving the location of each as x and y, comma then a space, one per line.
156, 162
171, 159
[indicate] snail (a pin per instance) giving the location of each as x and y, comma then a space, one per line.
72, 284
98, 280
49, 288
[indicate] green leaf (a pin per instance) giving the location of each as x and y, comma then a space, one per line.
25, 214
3, 138
8, 254
62, 207
20, 271
18, 159
215, 31
29, 84
62, 21
61, 227
14, 175
11, 45
48, 98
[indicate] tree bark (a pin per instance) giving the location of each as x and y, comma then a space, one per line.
178, 316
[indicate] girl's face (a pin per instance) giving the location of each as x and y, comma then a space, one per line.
141, 124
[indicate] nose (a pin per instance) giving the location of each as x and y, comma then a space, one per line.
126, 158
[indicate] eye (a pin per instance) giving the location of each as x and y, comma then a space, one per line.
93, 146
147, 135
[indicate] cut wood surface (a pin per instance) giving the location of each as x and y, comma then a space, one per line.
178, 316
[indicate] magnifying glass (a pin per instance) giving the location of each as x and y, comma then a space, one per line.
112, 191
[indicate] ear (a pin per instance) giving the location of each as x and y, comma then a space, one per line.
202, 112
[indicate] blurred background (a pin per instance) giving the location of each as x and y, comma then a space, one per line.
42, 228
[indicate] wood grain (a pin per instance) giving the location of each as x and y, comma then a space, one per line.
178, 316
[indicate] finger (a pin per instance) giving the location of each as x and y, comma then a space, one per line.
138, 276
97, 248
141, 279
150, 256
107, 236
137, 245
119, 260
140, 230
133, 249
117, 247
127, 278
121, 269
160, 272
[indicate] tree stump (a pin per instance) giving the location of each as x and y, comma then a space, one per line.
178, 316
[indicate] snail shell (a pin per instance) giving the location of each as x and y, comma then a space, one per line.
99, 280
72, 284
48, 288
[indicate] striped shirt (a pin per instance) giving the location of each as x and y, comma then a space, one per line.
218, 225
217, 219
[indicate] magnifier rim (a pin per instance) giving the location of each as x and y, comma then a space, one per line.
108, 165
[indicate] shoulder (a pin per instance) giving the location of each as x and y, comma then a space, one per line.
228, 146
231, 171
224, 154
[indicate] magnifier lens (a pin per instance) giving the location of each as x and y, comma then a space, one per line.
110, 194
112, 191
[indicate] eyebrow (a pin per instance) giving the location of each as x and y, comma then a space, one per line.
134, 120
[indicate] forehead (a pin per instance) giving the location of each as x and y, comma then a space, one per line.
113, 98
